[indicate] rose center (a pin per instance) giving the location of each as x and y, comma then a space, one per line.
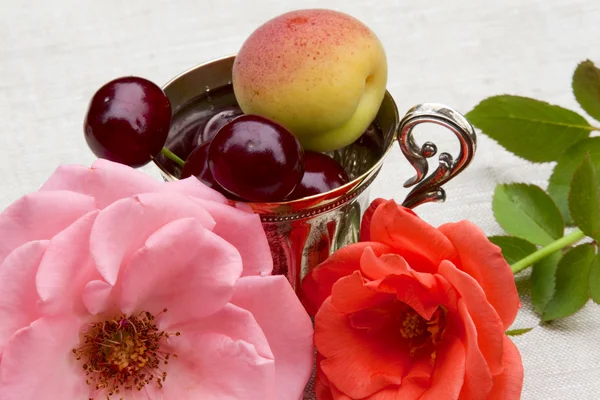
124, 353
420, 333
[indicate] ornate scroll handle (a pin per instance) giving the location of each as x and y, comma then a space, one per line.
430, 188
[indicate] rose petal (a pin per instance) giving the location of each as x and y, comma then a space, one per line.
508, 385
374, 267
350, 294
322, 385
38, 362
478, 378
105, 181
421, 291
316, 286
449, 372
357, 363
231, 322
287, 326
66, 267
97, 298
421, 245
365, 225
193, 187
40, 216
490, 332
244, 230
214, 366
122, 227
234, 322
18, 302
184, 268
481, 259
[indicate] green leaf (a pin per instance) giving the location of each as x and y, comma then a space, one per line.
560, 181
513, 248
543, 281
532, 129
584, 199
586, 87
518, 332
572, 277
526, 211
595, 280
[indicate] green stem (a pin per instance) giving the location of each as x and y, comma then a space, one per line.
545, 251
172, 156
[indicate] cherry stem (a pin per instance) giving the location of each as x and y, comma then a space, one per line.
545, 251
172, 156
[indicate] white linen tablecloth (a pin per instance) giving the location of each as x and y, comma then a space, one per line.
54, 54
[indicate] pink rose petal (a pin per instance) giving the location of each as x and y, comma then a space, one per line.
244, 230
38, 362
232, 321
40, 216
66, 267
215, 367
124, 226
193, 187
105, 181
18, 299
287, 326
184, 268
99, 297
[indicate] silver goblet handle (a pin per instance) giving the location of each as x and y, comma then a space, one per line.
429, 188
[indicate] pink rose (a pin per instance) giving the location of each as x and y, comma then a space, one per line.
114, 285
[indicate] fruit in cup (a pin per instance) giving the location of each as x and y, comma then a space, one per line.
197, 165
128, 121
321, 174
256, 159
217, 121
321, 74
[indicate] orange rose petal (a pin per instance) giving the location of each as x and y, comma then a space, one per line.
508, 385
365, 225
423, 246
413, 385
337, 395
323, 392
316, 286
478, 378
483, 260
490, 332
356, 363
375, 267
449, 372
322, 388
350, 295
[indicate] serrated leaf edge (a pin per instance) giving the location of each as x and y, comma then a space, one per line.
587, 158
527, 185
597, 70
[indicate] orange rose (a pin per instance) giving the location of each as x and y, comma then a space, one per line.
415, 313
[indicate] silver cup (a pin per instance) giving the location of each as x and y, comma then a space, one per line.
304, 232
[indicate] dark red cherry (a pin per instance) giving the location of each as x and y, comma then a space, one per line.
256, 159
217, 121
197, 165
321, 174
128, 121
